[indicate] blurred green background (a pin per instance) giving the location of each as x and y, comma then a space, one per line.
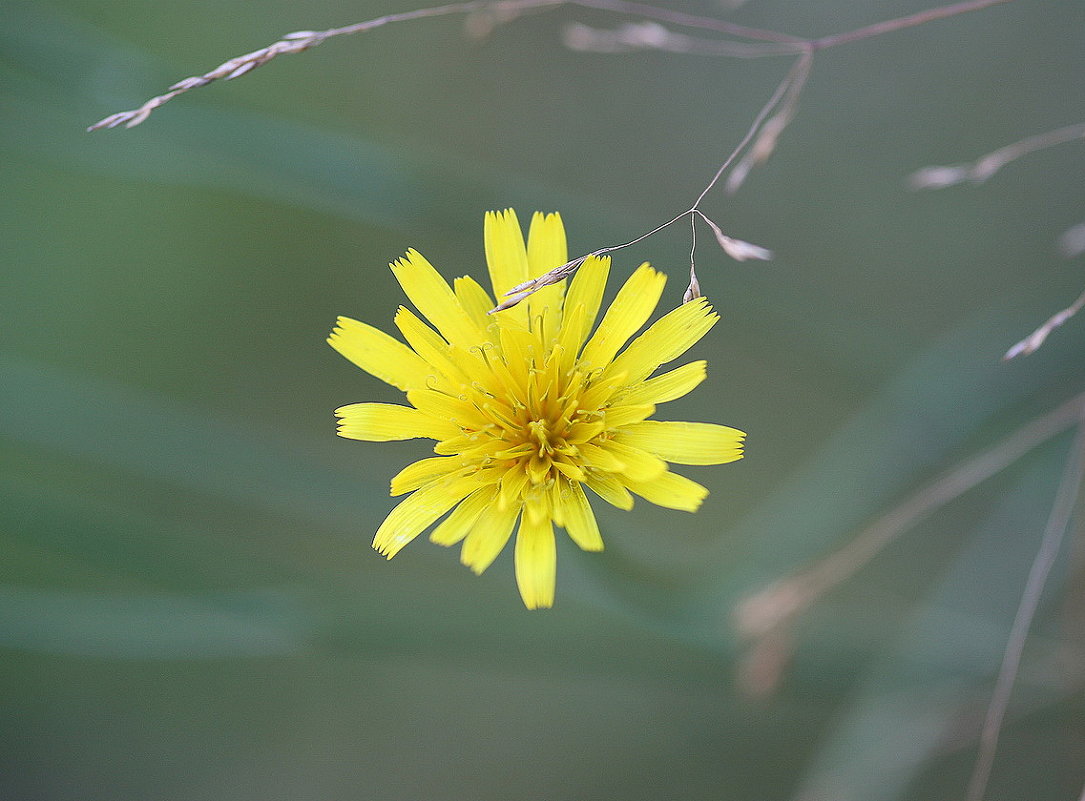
189, 606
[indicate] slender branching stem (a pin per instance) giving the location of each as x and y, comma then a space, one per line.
673, 17
900, 23
978, 171
779, 603
1034, 340
1057, 523
799, 69
693, 291
766, 129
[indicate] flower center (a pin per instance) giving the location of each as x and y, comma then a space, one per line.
538, 432
538, 421
545, 452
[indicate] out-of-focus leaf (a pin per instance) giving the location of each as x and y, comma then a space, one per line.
146, 626
107, 425
914, 696
62, 70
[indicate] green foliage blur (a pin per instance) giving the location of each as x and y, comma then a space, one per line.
189, 606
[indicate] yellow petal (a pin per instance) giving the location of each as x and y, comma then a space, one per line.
671, 491
416, 512
513, 483
546, 245
685, 443
506, 257
546, 249
639, 465
515, 365
554, 503
537, 509
610, 489
600, 458
378, 354
475, 300
536, 563
569, 338
630, 310
586, 289
422, 472
445, 407
600, 392
434, 298
569, 470
667, 387
475, 445
428, 344
667, 338
488, 536
623, 415
382, 422
455, 527
578, 517
537, 468
582, 432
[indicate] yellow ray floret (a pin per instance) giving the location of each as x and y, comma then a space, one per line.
530, 405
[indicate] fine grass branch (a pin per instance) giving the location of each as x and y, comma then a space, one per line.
983, 168
1058, 522
764, 616
484, 15
767, 616
1072, 242
489, 13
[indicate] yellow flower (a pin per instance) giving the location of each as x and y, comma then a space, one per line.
529, 405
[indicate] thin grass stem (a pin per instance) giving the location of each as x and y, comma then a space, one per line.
1057, 523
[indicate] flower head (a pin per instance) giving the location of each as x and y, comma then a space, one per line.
530, 405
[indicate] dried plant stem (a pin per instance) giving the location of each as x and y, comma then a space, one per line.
1034, 340
501, 9
1072, 241
652, 36
770, 132
672, 17
508, 9
937, 177
303, 40
1057, 523
992, 162
783, 101
776, 605
900, 23
521, 291
796, 75
693, 291
978, 171
633, 37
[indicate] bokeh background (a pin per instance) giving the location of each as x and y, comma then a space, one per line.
189, 606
